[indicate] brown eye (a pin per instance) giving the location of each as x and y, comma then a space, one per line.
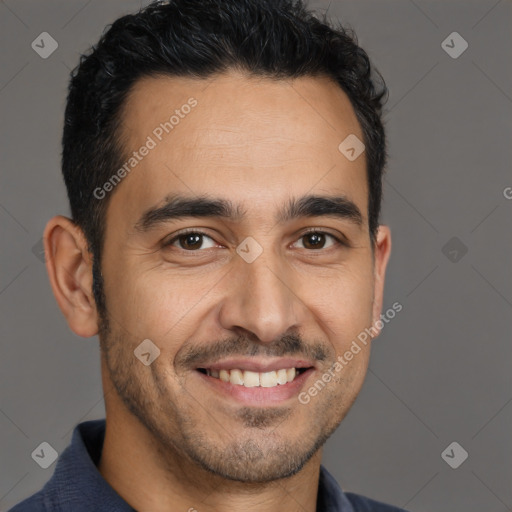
190, 241
315, 240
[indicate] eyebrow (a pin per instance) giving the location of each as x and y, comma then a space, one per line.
177, 207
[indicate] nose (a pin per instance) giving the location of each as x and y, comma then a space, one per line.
260, 299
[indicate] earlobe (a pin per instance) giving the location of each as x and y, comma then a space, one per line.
382, 251
69, 267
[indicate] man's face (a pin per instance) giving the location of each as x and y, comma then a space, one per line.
250, 292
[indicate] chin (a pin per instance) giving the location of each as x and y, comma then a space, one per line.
251, 461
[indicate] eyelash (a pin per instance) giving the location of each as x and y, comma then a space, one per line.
338, 240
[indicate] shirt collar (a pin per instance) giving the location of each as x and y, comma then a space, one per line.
78, 486
330, 497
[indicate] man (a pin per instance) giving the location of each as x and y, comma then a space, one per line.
223, 161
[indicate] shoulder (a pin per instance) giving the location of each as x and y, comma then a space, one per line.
331, 497
364, 504
34, 503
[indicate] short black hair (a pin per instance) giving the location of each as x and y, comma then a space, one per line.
278, 39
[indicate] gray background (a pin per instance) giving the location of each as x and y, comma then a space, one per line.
440, 372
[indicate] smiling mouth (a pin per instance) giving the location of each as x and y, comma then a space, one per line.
250, 379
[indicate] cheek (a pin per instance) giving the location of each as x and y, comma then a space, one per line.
343, 302
158, 305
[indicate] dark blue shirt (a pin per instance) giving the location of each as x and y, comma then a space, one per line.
77, 486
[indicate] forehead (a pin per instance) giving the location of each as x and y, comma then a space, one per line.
253, 140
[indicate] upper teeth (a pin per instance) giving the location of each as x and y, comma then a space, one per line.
253, 379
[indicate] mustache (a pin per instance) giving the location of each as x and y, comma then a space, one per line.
287, 345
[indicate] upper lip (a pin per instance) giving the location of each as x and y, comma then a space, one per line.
258, 365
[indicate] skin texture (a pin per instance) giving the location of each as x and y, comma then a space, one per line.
173, 442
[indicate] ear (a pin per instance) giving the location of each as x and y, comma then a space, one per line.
69, 267
382, 251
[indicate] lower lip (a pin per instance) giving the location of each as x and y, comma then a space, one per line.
258, 395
